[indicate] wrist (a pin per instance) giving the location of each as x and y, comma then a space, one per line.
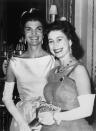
57, 117
21, 121
54, 118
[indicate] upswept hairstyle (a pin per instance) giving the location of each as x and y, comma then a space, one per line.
31, 15
68, 29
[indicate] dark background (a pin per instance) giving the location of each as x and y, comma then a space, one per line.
13, 11
10, 13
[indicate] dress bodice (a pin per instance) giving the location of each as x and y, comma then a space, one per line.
31, 74
61, 90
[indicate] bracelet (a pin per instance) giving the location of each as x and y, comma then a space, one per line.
56, 121
54, 118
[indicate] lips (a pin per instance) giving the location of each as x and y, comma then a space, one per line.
58, 50
33, 38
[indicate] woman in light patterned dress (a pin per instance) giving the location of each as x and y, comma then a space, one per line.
68, 85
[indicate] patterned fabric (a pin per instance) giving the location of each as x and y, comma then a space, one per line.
61, 91
43, 107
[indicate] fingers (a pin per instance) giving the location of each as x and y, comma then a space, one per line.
36, 128
46, 118
24, 127
57, 118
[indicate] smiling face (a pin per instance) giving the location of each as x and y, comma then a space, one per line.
33, 33
58, 43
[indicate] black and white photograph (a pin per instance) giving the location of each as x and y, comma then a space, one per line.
47, 65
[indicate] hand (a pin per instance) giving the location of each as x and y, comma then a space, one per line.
24, 127
57, 117
36, 128
46, 118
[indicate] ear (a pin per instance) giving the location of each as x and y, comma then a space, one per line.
70, 43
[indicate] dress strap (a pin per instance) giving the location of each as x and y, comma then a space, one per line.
74, 66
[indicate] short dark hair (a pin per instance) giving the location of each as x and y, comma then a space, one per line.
69, 30
32, 14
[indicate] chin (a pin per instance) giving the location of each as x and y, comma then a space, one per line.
58, 56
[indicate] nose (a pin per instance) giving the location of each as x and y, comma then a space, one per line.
33, 32
55, 44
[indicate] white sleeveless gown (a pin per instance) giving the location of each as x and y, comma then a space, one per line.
31, 75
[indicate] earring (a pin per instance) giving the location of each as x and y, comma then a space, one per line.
70, 43
25, 42
70, 50
42, 42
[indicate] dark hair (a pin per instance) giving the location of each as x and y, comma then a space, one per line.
31, 15
68, 29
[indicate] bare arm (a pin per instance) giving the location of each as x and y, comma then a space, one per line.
85, 98
81, 77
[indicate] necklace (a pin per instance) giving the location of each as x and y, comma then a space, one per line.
68, 65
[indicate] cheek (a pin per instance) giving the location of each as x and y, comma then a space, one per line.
26, 34
52, 51
51, 48
65, 44
41, 35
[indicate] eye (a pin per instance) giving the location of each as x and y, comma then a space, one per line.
50, 41
40, 29
60, 39
27, 29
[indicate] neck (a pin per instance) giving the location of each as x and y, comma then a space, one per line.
35, 51
66, 60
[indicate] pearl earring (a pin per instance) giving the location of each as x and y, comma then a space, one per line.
25, 42
42, 42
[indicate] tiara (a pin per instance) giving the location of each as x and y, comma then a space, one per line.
29, 11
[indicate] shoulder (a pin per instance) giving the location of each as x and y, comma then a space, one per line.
80, 69
45, 53
13, 61
80, 74
10, 70
82, 79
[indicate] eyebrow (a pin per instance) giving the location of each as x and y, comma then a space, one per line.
40, 27
60, 37
57, 37
36, 27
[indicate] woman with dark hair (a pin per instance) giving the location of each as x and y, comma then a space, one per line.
29, 71
68, 86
